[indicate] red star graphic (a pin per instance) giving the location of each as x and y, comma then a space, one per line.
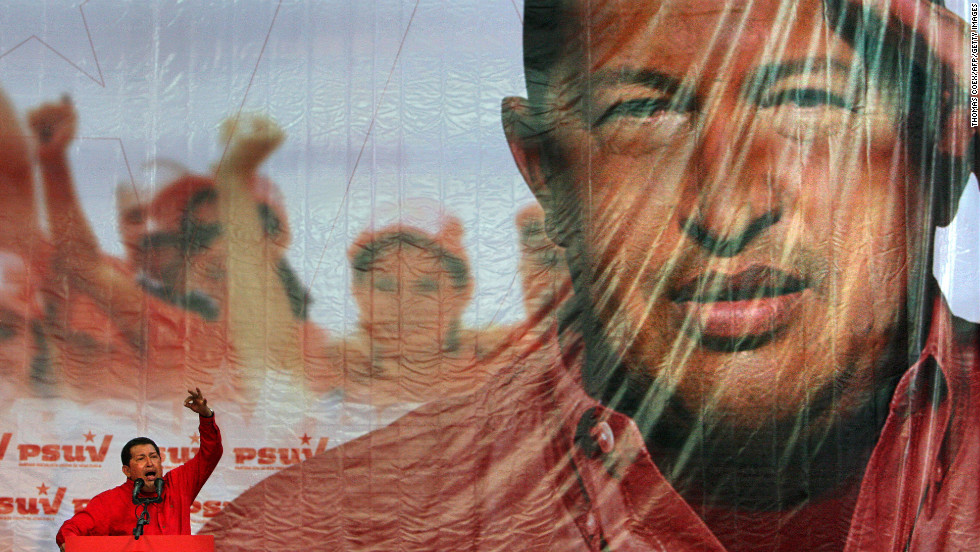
305, 439
195, 438
42, 490
89, 437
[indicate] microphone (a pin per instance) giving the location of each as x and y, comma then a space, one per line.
145, 502
137, 487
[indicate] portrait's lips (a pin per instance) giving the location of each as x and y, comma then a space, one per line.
733, 312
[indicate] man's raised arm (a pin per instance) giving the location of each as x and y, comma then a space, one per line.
78, 256
255, 290
192, 475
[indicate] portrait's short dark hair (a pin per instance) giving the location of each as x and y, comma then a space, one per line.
543, 43
364, 259
127, 451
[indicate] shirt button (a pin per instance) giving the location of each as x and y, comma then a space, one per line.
591, 525
604, 437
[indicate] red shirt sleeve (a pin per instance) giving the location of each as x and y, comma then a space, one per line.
84, 523
191, 476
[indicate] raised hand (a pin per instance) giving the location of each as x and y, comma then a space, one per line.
54, 127
250, 139
196, 402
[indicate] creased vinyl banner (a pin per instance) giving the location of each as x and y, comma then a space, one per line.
659, 275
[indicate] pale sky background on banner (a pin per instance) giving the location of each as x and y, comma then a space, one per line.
382, 100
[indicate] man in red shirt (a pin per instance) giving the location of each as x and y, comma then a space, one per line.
746, 192
113, 512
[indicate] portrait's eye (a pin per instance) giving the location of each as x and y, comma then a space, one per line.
7, 331
806, 97
426, 285
12, 325
643, 124
386, 284
638, 108
807, 113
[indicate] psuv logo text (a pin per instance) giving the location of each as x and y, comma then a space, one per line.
272, 458
11, 506
65, 455
176, 456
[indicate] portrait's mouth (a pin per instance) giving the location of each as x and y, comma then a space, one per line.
150, 476
739, 312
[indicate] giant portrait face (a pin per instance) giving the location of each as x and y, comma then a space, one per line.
738, 219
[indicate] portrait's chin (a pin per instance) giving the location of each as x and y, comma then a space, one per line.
745, 407
753, 382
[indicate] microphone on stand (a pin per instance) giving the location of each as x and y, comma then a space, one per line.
145, 501
137, 487
158, 483
142, 500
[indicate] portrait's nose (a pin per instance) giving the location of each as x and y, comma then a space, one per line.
734, 195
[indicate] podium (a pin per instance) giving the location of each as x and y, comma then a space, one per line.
146, 543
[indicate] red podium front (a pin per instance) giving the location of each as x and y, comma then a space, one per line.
146, 543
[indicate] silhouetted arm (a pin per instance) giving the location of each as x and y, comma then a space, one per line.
77, 254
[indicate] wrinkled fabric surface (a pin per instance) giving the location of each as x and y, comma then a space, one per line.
506, 470
542, 275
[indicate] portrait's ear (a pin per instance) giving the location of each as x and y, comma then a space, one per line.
524, 137
126, 472
524, 142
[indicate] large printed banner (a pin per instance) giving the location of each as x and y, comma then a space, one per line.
609, 275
